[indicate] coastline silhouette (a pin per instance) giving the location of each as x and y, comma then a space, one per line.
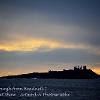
76, 73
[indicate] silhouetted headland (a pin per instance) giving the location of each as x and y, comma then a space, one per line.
76, 73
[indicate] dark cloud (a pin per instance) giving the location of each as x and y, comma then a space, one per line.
34, 59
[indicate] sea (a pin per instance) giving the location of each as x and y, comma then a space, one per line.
49, 89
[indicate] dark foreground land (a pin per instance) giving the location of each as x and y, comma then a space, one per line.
76, 73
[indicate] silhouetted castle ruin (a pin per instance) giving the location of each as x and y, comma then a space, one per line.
76, 73
80, 68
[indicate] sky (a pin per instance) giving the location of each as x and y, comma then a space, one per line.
42, 35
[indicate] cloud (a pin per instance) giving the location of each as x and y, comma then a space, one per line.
58, 55
42, 26
26, 44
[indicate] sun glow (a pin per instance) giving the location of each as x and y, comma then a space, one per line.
96, 70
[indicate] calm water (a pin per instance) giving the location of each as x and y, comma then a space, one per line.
50, 89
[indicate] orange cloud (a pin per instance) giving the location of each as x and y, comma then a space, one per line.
33, 44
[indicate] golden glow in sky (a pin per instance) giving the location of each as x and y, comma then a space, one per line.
35, 44
97, 70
